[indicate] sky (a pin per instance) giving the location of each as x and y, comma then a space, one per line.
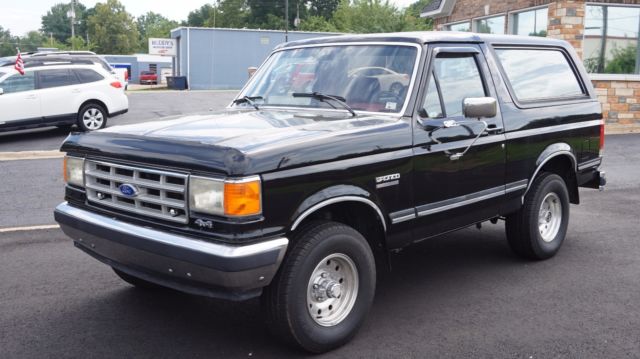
24, 15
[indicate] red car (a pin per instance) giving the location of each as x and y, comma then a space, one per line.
148, 77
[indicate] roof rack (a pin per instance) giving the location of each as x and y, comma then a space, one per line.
52, 61
58, 53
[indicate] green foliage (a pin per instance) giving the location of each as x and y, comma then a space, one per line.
322, 8
623, 61
153, 25
57, 24
367, 16
112, 29
317, 23
7, 46
199, 17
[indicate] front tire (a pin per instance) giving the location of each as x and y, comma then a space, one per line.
92, 117
324, 289
538, 229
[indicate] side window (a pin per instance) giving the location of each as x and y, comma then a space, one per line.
55, 78
87, 75
458, 78
19, 83
539, 74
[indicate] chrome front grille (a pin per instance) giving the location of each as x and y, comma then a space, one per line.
157, 194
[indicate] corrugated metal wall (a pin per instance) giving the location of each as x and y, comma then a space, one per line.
219, 58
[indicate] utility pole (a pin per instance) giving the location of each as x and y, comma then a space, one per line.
72, 15
603, 43
286, 20
638, 50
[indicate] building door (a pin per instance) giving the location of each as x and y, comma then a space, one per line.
459, 171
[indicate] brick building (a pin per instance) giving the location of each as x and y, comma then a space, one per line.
604, 32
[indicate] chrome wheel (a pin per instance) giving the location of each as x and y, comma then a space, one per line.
332, 290
550, 217
93, 119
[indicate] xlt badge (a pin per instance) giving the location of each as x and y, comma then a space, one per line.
387, 180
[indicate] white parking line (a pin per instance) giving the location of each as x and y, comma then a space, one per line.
30, 155
28, 228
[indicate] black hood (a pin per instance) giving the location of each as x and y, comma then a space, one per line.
246, 142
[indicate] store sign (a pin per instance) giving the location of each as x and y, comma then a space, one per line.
164, 47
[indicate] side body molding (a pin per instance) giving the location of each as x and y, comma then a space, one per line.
553, 151
332, 195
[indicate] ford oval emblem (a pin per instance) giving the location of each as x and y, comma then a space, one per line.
128, 190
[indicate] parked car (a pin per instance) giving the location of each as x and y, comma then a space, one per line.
77, 92
389, 79
123, 76
148, 77
301, 197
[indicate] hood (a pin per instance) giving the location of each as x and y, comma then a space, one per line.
247, 142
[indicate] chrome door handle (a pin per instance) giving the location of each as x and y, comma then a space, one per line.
75, 91
30, 97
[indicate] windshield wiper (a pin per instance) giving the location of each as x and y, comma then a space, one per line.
323, 97
249, 100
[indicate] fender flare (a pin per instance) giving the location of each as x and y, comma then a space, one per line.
549, 153
332, 195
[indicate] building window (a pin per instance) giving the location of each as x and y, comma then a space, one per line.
611, 39
463, 26
531, 23
490, 25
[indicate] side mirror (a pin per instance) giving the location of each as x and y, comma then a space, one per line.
479, 107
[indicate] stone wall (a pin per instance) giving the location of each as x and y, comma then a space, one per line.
620, 102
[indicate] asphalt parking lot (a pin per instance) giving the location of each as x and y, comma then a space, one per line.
462, 295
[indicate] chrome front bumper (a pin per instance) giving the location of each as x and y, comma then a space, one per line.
176, 261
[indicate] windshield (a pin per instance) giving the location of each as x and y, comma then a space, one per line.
372, 78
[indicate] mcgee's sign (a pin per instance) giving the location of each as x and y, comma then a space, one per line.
165, 47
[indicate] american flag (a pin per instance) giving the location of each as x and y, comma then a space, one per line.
19, 64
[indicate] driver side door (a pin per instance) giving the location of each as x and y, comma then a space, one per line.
451, 192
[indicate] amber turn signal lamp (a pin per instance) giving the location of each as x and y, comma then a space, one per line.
242, 198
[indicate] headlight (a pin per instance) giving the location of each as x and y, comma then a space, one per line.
234, 198
74, 171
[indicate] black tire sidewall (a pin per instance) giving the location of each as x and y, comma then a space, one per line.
310, 334
87, 107
550, 183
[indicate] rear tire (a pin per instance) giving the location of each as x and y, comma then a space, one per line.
92, 117
135, 281
330, 271
538, 229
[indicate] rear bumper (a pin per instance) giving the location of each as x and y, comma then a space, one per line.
179, 262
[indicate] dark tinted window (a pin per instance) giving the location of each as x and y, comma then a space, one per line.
459, 78
539, 74
55, 78
87, 75
18, 83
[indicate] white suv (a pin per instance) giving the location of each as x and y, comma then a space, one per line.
59, 94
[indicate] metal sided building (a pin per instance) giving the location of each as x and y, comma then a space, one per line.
138, 63
214, 58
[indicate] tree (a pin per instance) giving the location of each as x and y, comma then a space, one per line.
7, 45
368, 16
112, 29
56, 22
323, 8
623, 61
231, 14
199, 16
152, 24
316, 23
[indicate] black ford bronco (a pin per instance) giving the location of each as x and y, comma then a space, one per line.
338, 152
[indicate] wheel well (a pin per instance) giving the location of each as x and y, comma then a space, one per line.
564, 167
361, 217
97, 102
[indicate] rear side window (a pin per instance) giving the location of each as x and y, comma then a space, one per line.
539, 74
87, 75
55, 78
18, 83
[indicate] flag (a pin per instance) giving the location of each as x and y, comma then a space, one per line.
19, 64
